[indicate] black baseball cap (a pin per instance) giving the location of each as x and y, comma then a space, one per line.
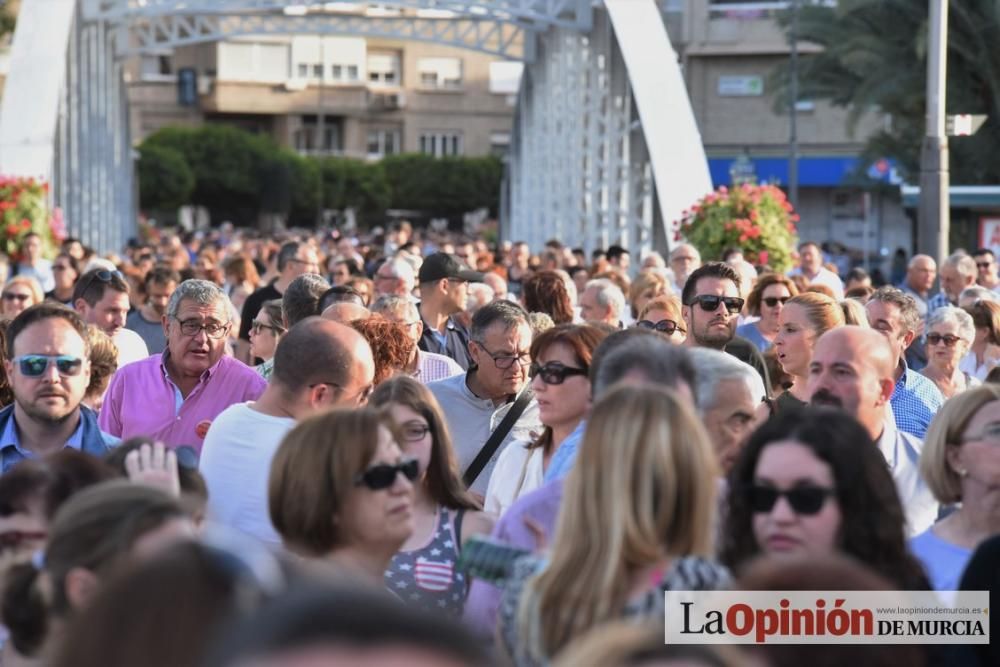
442, 265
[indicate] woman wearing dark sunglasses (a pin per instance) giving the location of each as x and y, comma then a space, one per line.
663, 315
950, 333
766, 301
341, 491
810, 481
560, 365
445, 514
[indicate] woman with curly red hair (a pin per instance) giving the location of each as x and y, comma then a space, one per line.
391, 347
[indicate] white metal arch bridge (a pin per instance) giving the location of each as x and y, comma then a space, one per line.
604, 147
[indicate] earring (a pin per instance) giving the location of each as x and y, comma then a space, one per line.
962, 472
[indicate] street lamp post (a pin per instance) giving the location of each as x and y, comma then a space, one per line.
933, 215
793, 101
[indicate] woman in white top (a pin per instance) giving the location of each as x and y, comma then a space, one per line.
950, 333
560, 365
960, 462
985, 352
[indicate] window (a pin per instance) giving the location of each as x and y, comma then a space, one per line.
352, 73
505, 77
441, 144
440, 73
308, 138
318, 71
383, 142
383, 69
499, 143
303, 70
156, 67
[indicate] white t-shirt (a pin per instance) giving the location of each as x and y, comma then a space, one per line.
131, 347
236, 463
518, 471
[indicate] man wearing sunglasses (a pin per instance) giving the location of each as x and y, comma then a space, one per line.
101, 299
711, 310
318, 365
174, 397
48, 370
852, 369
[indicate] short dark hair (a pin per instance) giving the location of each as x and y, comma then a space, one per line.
983, 251
340, 294
302, 298
310, 616
857, 273
505, 312
307, 354
806, 244
45, 311
161, 275
287, 253
718, 270
616, 251
91, 286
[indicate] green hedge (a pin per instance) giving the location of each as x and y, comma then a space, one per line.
237, 175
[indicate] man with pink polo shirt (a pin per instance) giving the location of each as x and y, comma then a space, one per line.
174, 397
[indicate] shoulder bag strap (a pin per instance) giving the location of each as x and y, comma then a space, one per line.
496, 437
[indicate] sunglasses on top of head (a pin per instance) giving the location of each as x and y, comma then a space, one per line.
804, 500
383, 475
710, 303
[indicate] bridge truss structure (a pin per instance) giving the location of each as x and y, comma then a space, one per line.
604, 147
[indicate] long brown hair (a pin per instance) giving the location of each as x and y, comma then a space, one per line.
545, 292
582, 339
442, 481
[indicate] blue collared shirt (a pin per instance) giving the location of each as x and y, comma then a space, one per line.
11, 452
939, 300
564, 458
915, 401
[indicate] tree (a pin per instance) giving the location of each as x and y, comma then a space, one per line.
874, 58
165, 179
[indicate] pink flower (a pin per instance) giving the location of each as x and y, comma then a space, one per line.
763, 256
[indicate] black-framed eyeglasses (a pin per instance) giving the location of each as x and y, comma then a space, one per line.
504, 361
555, 372
257, 325
984, 265
414, 431
213, 330
710, 303
772, 301
947, 339
804, 500
663, 326
35, 365
383, 475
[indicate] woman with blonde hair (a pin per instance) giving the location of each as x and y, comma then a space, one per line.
663, 315
636, 520
804, 319
445, 514
103, 364
854, 313
20, 293
960, 463
648, 285
341, 491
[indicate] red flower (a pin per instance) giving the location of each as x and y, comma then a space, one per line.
763, 256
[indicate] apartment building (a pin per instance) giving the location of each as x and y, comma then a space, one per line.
729, 50
327, 95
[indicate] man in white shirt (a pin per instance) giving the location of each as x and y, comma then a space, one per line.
852, 369
318, 365
101, 299
811, 266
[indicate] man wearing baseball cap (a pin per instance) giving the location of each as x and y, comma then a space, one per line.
444, 283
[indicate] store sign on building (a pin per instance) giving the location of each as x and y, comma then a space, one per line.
989, 234
741, 86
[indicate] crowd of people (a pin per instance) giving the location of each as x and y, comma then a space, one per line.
409, 447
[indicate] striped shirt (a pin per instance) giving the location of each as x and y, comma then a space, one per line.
432, 367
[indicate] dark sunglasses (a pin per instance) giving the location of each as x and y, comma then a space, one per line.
984, 265
804, 500
10, 296
772, 301
710, 303
663, 326
947, 339
383, 475
35, 365
554, 372
101, 275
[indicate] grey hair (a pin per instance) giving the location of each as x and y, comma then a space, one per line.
608, 294
402, 269
907, 305
201, 292
302, 298
685, 245
504, 312
977, 292
957, 316
654, 259
963, 263
659, 362
396, 305
713, 367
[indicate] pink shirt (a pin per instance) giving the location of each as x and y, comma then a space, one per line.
142, 400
